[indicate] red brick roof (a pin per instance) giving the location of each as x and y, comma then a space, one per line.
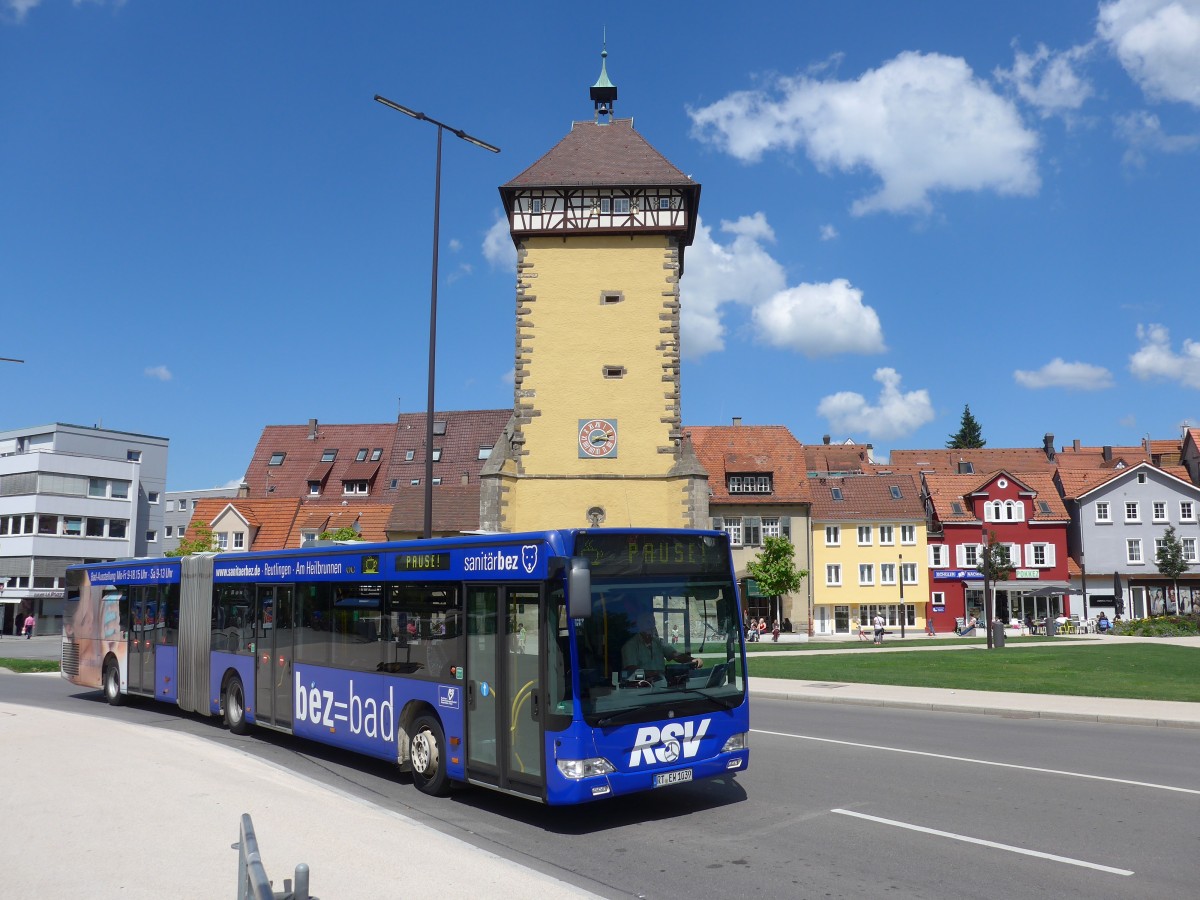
726, 450
455, 509
945, 490
303, 456
273, 518
984, 459
592, 154
867, 498
371, 519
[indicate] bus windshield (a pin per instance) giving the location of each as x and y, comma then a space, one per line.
654, 646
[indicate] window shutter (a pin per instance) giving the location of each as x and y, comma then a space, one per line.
962, 555
785, 526
1050, 555
718, 523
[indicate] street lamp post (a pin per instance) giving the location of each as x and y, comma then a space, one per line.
437, 204
987, 588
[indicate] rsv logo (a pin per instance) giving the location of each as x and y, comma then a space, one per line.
667, 744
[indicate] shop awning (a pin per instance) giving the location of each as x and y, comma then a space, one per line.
1053, 590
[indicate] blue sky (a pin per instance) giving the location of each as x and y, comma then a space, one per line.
208, 226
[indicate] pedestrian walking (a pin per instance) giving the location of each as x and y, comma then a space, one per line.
29, 626
878, 623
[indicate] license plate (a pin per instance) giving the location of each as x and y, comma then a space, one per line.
676, 777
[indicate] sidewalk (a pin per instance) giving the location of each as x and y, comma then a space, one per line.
110, 809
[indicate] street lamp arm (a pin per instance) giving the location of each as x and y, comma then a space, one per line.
457, 132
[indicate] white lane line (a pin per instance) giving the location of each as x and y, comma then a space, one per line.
982, 762
970, 840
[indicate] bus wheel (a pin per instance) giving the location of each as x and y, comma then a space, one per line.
427, 751
235, 707
112, 684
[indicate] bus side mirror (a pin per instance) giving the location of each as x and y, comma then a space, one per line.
579, 587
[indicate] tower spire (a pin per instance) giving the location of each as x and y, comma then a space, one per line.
604, 92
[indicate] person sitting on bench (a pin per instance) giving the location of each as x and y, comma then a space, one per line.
968, 626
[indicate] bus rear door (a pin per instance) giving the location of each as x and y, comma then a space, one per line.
504, 688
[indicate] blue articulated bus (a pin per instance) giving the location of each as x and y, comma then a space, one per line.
562, 666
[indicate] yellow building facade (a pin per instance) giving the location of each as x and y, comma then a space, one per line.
870, 553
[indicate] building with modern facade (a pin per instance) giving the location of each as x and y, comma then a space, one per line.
72, 494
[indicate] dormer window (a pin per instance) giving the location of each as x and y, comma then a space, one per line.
360, 455
328, 456
376, 454
836, 493
895, 489
749, 484
277, 459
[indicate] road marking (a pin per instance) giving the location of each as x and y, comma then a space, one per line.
970, 840
982, 762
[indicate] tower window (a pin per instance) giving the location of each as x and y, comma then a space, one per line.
606, 204
607, 297
614, 371
621, 205
664, 202
535, 206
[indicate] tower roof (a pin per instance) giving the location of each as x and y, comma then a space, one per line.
593, 154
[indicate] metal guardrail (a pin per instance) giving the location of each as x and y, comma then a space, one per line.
253, 883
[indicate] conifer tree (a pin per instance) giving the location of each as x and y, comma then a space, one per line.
969, 436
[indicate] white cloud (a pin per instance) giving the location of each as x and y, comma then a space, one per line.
828, 233
1059, 373
498, 247
895, 415
455, 245
1158, 44
162, 373
509, 378
1142, 131
1047, 80
814, 319
920, 122
741, 271
1155, 358
820, 320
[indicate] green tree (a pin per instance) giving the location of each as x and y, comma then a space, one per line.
345, 533
774, 568
996, 564
969, 436
202, 540
1169, 559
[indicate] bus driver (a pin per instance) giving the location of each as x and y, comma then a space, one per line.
648, 652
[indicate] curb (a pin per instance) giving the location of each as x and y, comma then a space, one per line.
932, 706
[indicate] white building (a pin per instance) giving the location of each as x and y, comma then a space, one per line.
71, 494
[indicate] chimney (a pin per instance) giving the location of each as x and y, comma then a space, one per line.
312, 429
1075, 444
1048, 446
1108, 454
243, 490
825, 439
737, 420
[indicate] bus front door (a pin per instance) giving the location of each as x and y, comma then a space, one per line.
504, 688
273, 646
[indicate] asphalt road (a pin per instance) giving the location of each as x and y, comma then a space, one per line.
839, 801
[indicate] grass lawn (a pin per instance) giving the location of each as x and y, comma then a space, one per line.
1139, 671
29, 665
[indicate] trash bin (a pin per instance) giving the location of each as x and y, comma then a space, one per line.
1051, 627
997, 634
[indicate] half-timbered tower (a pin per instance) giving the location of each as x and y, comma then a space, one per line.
600, 225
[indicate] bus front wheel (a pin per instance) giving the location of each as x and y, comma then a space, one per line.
427, 752
235, 707
112, 684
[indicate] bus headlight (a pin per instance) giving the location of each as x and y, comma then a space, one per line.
735, 742
585, 768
